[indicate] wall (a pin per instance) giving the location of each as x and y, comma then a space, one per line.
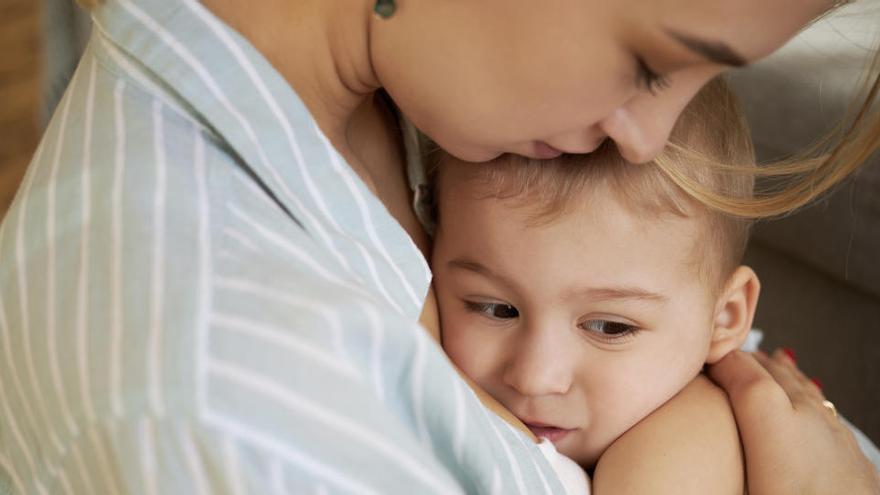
20, 87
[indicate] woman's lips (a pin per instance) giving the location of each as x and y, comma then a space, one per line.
544, 151
552, 433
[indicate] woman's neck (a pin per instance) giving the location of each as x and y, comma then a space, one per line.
321, 47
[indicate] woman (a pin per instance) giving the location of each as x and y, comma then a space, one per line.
287, 357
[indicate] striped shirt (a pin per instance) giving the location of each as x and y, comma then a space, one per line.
198, 295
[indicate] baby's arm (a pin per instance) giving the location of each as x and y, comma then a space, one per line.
688, 445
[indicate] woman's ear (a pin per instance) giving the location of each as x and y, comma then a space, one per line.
734, 313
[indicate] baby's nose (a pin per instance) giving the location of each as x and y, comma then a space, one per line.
636, 141
537, 371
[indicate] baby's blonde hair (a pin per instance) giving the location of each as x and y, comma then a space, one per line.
712, 127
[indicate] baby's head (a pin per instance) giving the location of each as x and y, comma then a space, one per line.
585, 292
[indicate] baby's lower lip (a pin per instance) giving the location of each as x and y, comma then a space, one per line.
551, 433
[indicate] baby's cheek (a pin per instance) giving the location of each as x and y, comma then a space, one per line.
634, 398
467, 351
459, 347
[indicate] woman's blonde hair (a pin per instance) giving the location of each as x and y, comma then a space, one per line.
794, 182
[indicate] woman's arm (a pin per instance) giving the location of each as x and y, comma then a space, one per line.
689, 445
430, 319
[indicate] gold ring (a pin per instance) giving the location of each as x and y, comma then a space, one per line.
830, 406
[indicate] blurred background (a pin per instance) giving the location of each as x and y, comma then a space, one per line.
19, 91
820, 267
42, 41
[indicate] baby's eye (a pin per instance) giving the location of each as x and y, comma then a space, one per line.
609, 328
499, 311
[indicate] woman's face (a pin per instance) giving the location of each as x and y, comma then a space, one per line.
486, 77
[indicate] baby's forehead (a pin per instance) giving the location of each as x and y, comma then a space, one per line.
629, 207
554, 187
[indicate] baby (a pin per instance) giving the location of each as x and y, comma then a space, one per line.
584, 292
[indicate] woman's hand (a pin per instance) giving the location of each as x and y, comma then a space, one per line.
793, 444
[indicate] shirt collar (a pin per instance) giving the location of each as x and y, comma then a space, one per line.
237, 93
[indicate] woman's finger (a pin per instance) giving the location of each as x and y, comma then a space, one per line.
785, 357
801, 391
811, 450
784, 375
752, 390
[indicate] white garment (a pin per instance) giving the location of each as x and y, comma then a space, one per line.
574, 479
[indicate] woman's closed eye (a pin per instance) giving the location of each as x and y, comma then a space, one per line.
608, 329
498, 311
648, 78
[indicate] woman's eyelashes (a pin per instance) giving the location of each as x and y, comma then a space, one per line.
648, 79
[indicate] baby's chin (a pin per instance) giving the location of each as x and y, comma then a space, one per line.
584, 453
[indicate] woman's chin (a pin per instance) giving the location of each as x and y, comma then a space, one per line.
472, 154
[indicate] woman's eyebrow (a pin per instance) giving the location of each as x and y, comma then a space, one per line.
716, 51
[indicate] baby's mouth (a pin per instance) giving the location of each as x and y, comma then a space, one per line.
553, 433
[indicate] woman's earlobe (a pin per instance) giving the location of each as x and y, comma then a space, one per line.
735, 311
385, 8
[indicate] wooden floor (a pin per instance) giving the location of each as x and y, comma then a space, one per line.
19, 91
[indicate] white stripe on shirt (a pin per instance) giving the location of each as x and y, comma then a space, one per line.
7, 467
83, 287
84, 474
300, 302
285, 450
7, 347
232, 466
51, 268
117, 309
205, 273
149, 466
181, 51
193, 462
376, 334
322, 414
283, 338
365, 217
157, 278
50, 296
103, 461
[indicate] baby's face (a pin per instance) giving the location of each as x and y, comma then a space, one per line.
581, 327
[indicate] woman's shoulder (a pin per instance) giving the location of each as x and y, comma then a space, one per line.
688, 445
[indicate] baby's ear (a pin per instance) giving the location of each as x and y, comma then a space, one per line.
734, 313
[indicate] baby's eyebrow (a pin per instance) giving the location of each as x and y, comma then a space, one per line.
619, 293
473, 266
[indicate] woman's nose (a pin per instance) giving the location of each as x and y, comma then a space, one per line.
539, 367
641, 127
